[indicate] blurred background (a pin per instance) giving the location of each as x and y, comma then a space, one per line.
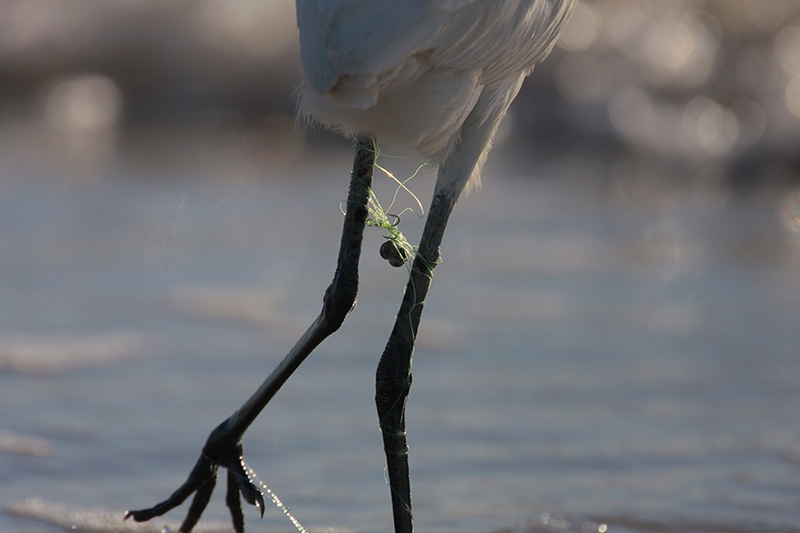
610, 344
682, 85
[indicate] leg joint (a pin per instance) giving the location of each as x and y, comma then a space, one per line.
339, 300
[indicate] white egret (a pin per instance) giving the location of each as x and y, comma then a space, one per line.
433, 75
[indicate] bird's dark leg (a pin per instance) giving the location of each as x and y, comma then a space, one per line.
394, 370
393, 380
224, 445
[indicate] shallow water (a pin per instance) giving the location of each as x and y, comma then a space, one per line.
587, 359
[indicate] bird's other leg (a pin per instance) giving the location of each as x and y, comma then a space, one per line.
393, 378
224, 444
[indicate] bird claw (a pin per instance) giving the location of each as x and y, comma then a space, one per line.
221, 449
247, 484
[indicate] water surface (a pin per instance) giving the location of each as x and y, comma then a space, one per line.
586, 358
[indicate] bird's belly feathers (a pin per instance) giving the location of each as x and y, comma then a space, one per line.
410, 72
422, 111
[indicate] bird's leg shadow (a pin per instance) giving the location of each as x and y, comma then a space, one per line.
224, 444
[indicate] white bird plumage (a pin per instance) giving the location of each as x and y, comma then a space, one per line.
411, 72
435, 76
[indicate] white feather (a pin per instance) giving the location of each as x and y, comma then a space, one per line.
412, 71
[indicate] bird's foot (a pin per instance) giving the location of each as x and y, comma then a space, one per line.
223, 448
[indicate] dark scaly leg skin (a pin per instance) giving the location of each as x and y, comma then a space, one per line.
393, 378
224, 444
234, 503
